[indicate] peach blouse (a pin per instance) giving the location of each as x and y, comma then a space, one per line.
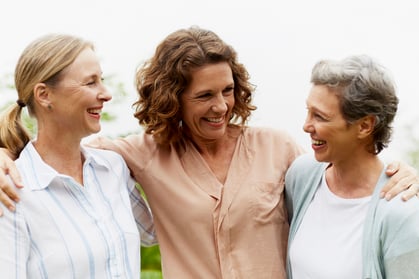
209, 230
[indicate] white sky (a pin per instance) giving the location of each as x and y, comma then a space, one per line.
278, 41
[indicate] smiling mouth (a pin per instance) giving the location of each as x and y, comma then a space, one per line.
317, 142
94, 111
215, 119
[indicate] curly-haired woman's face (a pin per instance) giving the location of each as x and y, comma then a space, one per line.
208, 101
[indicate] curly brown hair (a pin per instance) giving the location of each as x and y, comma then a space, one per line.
161, 80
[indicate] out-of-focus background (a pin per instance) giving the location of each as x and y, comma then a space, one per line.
278, 41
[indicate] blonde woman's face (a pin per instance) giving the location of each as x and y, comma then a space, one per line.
78, 99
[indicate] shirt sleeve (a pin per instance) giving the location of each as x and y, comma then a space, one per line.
14, 244
143, 216
400, 237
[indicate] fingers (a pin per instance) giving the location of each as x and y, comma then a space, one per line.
400, 181
5, 199
412, 191
9, 168
15, 176
392, 168
406, 184
391, 171
8, 194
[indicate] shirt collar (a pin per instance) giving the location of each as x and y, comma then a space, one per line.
38, 175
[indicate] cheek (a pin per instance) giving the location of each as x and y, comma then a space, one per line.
230, 102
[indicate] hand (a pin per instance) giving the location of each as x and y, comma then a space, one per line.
403, 178
8, 194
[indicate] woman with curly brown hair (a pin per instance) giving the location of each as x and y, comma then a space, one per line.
214, 185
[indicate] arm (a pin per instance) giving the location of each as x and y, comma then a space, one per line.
137, 150
403, 178
8, 194
143, 217
133, 154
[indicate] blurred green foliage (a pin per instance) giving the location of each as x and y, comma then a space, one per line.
150, 263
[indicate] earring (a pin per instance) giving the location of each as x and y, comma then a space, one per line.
49, 106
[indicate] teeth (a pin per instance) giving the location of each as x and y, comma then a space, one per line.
318, 142
215, 120
95, 111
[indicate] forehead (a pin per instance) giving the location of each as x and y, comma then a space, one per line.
323, 98
86, 63
219, 73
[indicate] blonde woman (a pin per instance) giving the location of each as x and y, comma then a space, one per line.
75, 219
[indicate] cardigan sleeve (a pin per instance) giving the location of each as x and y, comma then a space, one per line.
400, 239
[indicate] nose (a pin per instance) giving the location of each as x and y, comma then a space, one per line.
220, 104
104, 94
308, 125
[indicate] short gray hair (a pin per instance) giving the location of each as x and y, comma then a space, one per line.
364, 88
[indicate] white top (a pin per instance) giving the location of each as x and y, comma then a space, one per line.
328, 243
63, 230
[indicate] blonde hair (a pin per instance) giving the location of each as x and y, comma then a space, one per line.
43, 60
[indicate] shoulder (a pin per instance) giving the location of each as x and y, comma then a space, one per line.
101, 153
271, 138
137, 144
102, 157
397, 212
306, 163
261, 133
304, 172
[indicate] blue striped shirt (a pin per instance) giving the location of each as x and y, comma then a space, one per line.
63, 230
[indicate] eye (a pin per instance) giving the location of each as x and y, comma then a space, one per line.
95, 81
228, 90
204, 95
319, 117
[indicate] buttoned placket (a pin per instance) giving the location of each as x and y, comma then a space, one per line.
87, 196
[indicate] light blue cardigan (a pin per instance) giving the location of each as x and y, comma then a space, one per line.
391, 232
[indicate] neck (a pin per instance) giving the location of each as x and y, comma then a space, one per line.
354, 178
217, 146
63, 154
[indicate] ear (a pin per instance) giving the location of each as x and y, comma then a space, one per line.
366, 126
42, 95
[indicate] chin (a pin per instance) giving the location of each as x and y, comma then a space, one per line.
94, 130
320, 158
